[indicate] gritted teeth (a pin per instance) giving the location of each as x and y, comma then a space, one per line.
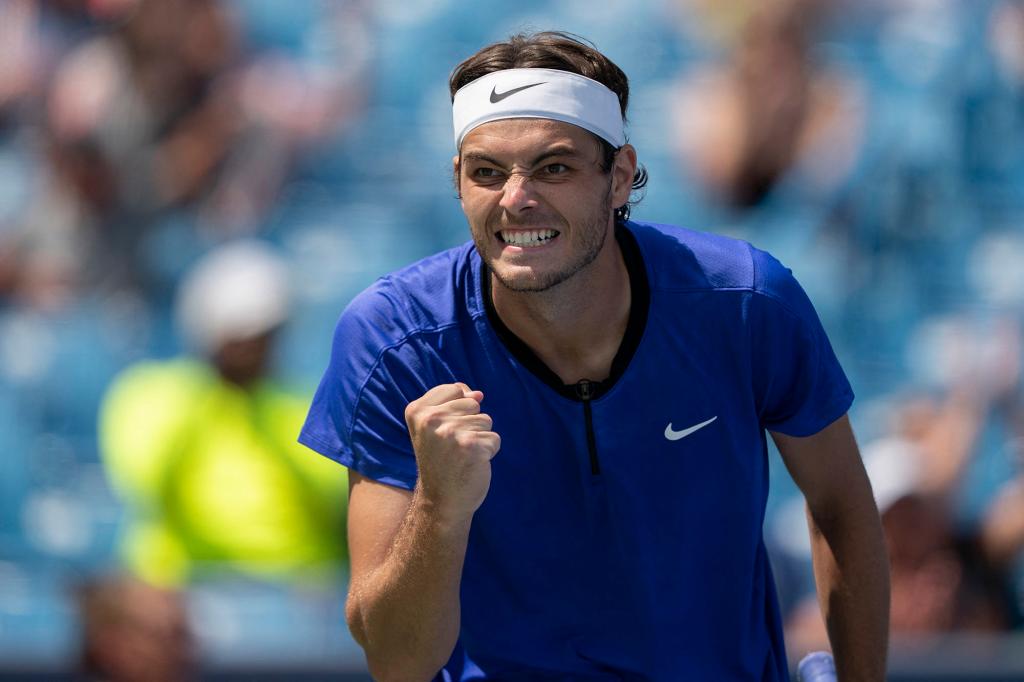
527, 237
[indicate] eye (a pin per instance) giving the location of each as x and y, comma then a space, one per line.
556, 169
485, 173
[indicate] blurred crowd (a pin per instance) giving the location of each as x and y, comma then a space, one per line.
144, 149
191, 190
125, 112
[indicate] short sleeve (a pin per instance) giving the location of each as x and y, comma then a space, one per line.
357, 416
799, 385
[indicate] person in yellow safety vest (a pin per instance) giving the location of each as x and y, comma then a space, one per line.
203, 450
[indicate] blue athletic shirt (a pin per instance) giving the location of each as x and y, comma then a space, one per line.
621, 538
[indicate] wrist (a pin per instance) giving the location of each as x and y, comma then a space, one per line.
440, 514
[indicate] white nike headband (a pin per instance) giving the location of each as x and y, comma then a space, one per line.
538, 93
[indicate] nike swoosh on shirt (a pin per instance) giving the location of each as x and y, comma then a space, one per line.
676, 435
495, 97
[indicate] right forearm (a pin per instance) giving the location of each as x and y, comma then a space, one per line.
405, 613
408, 550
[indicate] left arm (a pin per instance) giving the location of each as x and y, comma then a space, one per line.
851, 567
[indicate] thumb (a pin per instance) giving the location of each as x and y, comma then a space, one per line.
467, 392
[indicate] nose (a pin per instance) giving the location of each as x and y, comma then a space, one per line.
518, 194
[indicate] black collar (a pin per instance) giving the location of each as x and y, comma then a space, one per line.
640, 298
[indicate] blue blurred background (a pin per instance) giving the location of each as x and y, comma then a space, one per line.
875, 147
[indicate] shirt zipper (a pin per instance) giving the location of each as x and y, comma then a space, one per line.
585, 391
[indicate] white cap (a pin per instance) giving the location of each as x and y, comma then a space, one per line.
894, 467
235, 292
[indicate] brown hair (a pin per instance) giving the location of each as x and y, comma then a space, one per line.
554, 50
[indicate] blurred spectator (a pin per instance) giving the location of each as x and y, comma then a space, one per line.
17, 52
1006, 36
944, 578
134, 632
155, 107
945, 575
117, 107
203, 451
771, 111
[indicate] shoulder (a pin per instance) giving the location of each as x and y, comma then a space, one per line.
429, 295
680, 260
397, 322
683, 259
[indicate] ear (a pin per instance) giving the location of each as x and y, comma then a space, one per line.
456, 180
622, 174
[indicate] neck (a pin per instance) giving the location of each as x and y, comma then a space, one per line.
575, 327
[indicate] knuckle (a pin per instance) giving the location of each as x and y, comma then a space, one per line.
432, 418
464, 439
445, 430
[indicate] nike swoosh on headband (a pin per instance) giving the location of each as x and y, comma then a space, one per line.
495, 97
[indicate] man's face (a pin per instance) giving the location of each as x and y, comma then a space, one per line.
538, 203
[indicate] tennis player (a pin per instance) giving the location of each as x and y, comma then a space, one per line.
556, 433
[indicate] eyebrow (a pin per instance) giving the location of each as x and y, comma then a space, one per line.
557, 150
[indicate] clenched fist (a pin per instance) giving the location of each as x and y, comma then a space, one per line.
454, 445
